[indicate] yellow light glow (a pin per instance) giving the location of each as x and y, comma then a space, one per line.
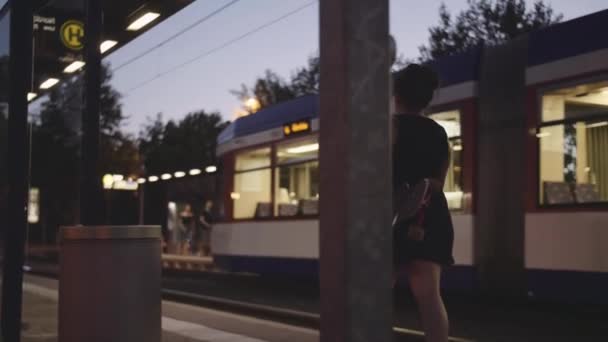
253, 104
457, 148
75, 66
49, 83
107, 45
543, 135
108, 181
142, 21
195, 172
235, 195
303, 149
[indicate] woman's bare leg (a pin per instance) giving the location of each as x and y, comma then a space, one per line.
424, 278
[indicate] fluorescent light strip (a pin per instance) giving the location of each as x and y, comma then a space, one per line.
598, 124
49, 83
142, 21
303, 149
75, 66
107, 45
31, 96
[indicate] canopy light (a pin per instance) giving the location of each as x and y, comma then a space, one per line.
210, 169
141, 181
598, 124
142, 21
303, 149
165, 176
49, 83
179, 174
75, 66
152, 179
107, 45
195, 172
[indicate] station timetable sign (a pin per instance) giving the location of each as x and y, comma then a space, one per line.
296, 128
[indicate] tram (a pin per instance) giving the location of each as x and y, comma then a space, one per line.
527, 183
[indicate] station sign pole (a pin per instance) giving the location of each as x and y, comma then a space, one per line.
355, 201
91, 191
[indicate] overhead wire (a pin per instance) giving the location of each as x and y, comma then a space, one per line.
184, 30
219, 47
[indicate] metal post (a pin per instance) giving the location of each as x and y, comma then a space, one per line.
356, 263
91, 192
142, 202
20, 73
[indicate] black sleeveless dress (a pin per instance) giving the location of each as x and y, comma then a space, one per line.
421, 150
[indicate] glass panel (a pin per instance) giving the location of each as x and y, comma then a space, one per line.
575, 102
254, 159
450, 121
453, 180
4, 60
251, 194
297, 189
298, 151
574, 163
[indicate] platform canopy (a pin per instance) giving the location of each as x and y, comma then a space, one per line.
59, 35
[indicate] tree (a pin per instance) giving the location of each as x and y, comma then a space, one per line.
305, 80
189, 143
490, 22
268, 90
56, 147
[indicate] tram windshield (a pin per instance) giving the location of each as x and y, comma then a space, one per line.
574, 145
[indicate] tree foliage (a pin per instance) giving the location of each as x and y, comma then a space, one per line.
189, 143
489, 22
271, 88
56, 149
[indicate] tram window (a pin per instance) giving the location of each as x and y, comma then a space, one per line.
253, 159
450, 121
298, 151
297, 189
251, 194
574, 145
297, 177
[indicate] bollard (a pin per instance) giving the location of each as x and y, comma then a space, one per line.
110, 284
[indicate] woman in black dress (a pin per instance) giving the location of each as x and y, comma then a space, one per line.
421, 150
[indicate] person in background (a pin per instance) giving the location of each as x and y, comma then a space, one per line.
421, 152
187, 218
206, 221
